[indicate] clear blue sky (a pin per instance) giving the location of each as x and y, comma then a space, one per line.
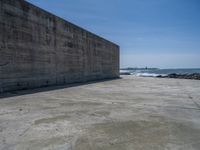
153, 33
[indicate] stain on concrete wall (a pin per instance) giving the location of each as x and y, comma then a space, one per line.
40, 49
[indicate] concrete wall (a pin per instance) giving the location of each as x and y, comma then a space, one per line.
39, 49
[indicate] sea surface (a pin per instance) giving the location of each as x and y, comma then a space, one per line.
157, 72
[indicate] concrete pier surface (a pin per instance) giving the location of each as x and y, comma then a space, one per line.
132, 113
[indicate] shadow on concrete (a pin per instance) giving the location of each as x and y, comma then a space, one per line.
49, 88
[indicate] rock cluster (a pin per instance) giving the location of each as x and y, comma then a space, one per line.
125, 73
195, 76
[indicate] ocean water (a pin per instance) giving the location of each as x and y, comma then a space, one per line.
157, 72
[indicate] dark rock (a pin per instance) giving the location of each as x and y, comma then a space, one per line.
195, 76
173, 75
159, 76
125, 73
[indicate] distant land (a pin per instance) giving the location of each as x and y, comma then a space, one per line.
146, 68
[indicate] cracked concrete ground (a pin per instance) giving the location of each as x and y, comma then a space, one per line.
132, 113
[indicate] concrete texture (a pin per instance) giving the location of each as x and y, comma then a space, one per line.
40, 49
132, 113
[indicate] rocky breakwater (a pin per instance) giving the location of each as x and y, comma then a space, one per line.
194, 76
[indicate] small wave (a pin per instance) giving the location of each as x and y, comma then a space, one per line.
148, 74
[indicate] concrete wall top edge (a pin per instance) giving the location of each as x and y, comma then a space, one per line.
70, 23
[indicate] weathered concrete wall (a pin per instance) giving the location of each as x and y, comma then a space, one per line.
39, 49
